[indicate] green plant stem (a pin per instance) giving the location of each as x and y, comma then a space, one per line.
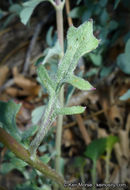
107, 165
94, 174
82, 176
24, 155
44, 126
59, 20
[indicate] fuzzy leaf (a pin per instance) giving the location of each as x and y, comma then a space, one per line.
79, 42
37, 114
8, 111
70, 110
45, 79
79, 83
55, 51
28, 8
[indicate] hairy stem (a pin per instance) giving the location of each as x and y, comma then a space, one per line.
24, 155
44, 126
59, 20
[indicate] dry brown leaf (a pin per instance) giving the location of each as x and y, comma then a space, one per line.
68, 138
102, 133
15, 71
4, 71
13, 91
23, 82
29, 87
80, 97
24, 114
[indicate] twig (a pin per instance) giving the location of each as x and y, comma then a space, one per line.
33, 42
60, 32
88, 117
15, 50
31, 46
67, 6
83, 130
6, 85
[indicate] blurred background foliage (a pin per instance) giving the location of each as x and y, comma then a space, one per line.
108, 68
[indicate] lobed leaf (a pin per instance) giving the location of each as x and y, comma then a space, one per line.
79, 42
70, 110
79, 83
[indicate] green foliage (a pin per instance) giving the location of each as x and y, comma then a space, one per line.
116, 3
46, 80
96, 148
46, 158
111, 140
123, 60
12, 163
79, 83
79, 42
96, 59
125, 96
70, 110
18, 163
105, 26
54, 51
8, 111
105, 71
79, 162
6, 168
29, 132
50, 38
28, 8
13, 11
77, 12
37, 113
15, 8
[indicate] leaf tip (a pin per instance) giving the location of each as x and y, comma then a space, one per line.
93, 88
